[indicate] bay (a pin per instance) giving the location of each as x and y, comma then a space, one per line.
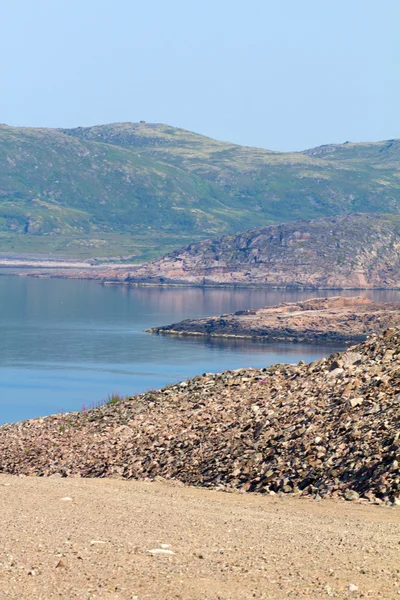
66, 344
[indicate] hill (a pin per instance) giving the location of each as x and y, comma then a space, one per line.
351, 251
142, 189
329, 428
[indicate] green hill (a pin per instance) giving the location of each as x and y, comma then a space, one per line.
143, 189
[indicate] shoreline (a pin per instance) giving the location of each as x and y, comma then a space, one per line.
45, 273
267, 339
280, 429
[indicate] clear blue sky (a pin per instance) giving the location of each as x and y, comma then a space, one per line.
281, 74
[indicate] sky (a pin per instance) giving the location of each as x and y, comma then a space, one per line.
279, 74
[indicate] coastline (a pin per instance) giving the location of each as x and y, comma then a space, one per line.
94, 273
267, 339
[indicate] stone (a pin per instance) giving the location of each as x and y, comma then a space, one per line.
351, 495
353, 402
93, 542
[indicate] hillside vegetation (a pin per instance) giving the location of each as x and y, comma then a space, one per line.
75, 190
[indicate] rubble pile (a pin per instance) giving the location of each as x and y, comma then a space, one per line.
329, 428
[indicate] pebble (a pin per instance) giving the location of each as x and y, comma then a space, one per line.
93, 542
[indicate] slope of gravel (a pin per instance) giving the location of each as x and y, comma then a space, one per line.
330, 428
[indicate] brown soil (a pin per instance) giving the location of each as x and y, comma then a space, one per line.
90, 539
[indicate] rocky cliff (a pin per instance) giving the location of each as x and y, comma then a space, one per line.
352, 251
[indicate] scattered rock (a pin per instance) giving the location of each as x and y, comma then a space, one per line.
60, 564
351, 495
93, 542
353, 402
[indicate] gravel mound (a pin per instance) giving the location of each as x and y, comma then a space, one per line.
330, 428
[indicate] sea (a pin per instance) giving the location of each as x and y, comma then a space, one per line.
67, 345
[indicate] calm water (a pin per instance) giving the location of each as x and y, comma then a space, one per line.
65, 344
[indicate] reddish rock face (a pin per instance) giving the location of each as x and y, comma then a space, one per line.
354, 251
359, 251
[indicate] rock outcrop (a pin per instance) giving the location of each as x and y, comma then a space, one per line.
329, 428
319, 320
354, 251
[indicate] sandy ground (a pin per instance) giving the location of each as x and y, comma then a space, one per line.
76, 538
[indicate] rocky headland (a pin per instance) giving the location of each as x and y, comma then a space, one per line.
329, 428
357, 251
319, 320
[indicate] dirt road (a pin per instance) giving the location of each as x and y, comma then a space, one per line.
80, 538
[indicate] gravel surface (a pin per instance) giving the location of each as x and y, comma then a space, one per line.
113, 539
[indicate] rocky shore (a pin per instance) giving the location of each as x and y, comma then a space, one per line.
319, 320
329, 428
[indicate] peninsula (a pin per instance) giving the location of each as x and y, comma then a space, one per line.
357, 251
304, 437
319, 320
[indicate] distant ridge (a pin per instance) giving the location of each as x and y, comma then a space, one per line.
142, 189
